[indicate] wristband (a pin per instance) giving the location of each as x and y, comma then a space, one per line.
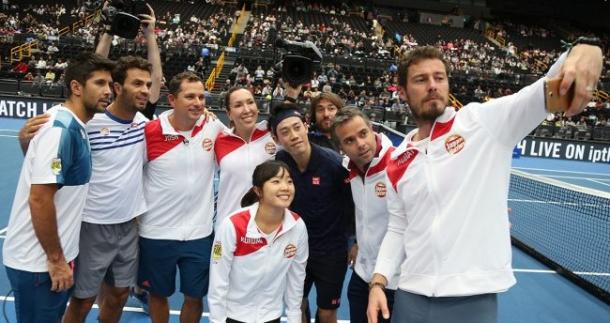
290, 99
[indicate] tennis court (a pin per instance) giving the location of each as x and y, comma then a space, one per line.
541, 295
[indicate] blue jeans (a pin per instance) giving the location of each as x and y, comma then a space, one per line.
34, 300
358, 297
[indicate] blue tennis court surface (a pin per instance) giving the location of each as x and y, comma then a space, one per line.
540, 295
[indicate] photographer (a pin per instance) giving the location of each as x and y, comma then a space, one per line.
154, 57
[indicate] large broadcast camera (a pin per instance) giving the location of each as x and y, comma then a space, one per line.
299, 61
122, 17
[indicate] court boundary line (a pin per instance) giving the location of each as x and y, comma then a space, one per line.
132, 309
598, 182
573, 177
9, 136
549, 271
559, 171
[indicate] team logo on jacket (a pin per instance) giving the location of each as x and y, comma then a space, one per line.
380, 189
290, 251
207, 144
270, 148
216, 251
454, 144
56, 166
315, 180
104, 132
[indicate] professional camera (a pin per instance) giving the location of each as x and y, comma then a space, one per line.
122, 17
299, 61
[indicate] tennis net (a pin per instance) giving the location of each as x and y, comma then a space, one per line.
565, 226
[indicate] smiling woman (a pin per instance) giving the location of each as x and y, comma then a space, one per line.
264, 245
239, 150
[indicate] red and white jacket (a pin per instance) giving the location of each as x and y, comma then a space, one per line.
236, 160
369, 192
178, 180
447, 198
252, 279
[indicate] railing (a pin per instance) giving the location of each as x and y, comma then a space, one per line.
211, 81
25, 50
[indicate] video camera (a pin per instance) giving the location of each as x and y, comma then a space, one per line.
299, 61
122, 17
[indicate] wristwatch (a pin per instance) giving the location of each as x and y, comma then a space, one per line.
376, 284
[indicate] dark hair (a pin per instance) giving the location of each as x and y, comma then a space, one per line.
415, 56
332, 97
344, 115
176, 81
228, 95
277, 110
81, 68
262, 173
123, 64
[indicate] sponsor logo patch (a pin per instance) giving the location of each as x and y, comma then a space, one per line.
216, 251
104, 132
380, 189
315, 180
454, 144
270, 148
171, 137
207, 144
290, 251
56, 166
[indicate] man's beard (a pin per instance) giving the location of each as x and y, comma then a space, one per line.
434, 110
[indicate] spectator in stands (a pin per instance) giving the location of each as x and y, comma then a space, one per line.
438, 232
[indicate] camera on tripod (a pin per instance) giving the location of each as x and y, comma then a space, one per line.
299, 61
123, 16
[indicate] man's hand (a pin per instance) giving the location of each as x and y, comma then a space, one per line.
61, 275
148, 22
377, 300
30, 128
582, 68
209, 114
292, 92
353, 254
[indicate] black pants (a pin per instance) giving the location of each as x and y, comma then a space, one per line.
358, 297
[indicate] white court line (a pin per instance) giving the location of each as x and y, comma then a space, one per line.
3, 230
598, 182
575, 177
10, 130
9, 136
140, 310
547, 271
560, 171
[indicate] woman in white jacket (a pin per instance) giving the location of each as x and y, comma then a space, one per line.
259, 254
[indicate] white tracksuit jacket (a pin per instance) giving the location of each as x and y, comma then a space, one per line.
447, 198
178, 180
237, 160
369, 192
252, 279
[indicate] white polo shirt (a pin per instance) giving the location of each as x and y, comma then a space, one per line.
447, 198
117, 150
369, 191
178, 180
253, 279
58, 154
237, 159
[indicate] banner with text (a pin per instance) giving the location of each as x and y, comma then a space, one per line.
564, 149
24, 107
